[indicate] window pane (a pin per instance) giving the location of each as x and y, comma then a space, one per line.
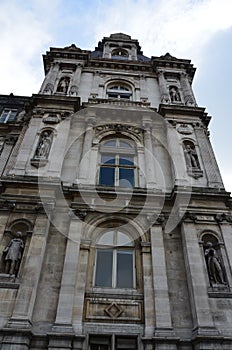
124, 144
123, 239
113, 94
110, 143
107, 159
126, 177
106, 176
126, 96
126, 160
104, 268
124, 269
107, 238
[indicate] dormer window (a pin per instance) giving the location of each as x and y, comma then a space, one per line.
8, 115
120, 54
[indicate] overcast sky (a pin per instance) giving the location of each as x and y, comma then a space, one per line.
200, 30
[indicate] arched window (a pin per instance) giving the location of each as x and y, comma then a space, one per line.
114, 266
119, 91
120, 54
117, 163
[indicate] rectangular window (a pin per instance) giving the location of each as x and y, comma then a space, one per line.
8, 115
99, 343
124, 269
103, 276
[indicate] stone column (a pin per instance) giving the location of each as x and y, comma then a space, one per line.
64, 314
208, 159
75, 81
163, 320
95, 86
165, 98
86, 152
50, 79
226, 229
189, 99
24, 303
149, 312
197, 283
177, 156
149, 159
143, 88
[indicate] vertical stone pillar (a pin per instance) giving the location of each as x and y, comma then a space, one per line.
177, 157
24, 304
163, 322
50, 79
149, 312
64, 313
75, 81
81, 285
143, 87
95, 86
197, 283
165, 98
149, 159
86, 152
189, 99
226, 229
208, 159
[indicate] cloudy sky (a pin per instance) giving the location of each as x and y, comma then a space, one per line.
200, 30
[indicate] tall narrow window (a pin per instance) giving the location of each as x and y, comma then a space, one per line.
8, 115
114, 261
117, 163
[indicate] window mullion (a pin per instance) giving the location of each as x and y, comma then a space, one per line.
114, 274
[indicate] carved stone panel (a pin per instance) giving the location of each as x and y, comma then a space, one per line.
113, 310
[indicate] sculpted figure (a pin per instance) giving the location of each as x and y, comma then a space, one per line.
174, 94
44, 146
63, 85
214, 264
191, 157
12, 254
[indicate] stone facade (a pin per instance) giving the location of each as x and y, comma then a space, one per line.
125, 226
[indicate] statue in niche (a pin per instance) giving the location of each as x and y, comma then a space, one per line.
213, 264
44, 145
12, 254
191, 157
174, 94
63, 85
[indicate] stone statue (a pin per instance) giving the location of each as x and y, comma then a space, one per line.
174, 94
63, 85
191, 157
214, 265
73, 90
44, 146
12, 254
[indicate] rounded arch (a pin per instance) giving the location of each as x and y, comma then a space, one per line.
22, 225
210, 235
118, 79
47, 129
97, 225
106, 131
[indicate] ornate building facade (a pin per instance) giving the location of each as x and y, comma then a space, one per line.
115, 227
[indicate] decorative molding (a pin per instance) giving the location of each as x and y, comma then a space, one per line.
118, 128
184, 129
51, 118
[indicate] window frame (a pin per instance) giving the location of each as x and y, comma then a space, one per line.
9, 115
118, 153
120, 90
115, 249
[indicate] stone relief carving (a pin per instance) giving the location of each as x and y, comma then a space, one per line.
63, 85
184, 129
12, 254
48, 89
73, 90
44, 145
214, 265
138, 132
